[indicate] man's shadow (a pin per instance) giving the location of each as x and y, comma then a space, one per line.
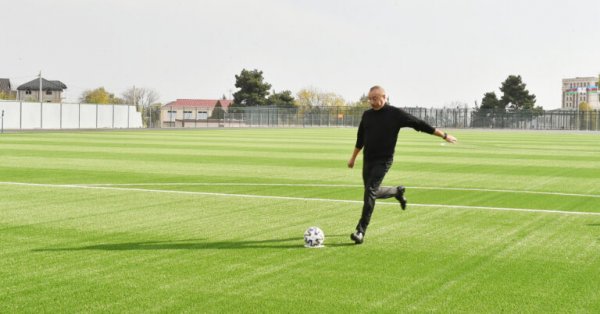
195, 244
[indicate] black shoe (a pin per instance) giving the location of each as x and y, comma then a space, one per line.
357, 237
400, 197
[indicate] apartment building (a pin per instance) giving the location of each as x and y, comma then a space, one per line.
578, 90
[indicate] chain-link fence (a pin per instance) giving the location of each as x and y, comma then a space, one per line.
535, 119
200, 117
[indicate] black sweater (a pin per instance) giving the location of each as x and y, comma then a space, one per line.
378, 130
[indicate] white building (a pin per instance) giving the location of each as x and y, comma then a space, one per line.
578, 90
187, 113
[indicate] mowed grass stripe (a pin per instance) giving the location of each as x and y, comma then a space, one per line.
463, 196
233, 153
307, 185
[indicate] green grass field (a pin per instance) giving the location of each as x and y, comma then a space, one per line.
212, 221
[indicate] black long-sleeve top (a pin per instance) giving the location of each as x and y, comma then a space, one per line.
378, 131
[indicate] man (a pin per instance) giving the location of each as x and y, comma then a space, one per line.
377, 134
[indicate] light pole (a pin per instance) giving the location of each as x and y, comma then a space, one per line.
40, 95
2, 127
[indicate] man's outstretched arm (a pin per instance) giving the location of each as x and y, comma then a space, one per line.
447, 137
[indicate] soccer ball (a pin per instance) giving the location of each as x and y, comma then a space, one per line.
314, 237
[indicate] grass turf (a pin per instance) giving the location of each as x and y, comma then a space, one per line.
133, 248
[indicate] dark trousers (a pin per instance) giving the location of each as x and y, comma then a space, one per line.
373, 173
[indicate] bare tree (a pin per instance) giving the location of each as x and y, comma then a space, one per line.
141, 97
145, 100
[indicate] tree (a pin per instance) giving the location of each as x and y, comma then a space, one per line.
356, 108
333, 100
151, 115
282, 100
584, 106
253, 90
490, 107
218, 112
307, 98
515, 96
141, 97
490, 102
312, 97
363, 102
146, 102
585, 117
6, 96
99, 96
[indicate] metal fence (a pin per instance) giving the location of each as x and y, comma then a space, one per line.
536, 120
200, 117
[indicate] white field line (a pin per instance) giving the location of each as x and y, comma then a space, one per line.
340, 186
70, 186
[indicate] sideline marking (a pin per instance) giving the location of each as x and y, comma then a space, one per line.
70, 186
339, 186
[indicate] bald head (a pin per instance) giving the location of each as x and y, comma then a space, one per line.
377, 88
377, 97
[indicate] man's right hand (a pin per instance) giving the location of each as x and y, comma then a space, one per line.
351, 163
451, 139
353, 157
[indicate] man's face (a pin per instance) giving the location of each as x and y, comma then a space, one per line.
377, 99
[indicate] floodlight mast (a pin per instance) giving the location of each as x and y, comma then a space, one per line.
40, 98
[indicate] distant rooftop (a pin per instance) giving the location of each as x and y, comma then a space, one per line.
46, 85
181, 103
588, 78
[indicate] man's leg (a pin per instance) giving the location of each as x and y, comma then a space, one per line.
396, 192
373, 174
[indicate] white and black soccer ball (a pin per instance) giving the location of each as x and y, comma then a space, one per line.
314, 237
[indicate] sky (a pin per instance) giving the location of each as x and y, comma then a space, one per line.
427, 53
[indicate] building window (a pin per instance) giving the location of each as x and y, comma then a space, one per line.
48, 92
172, 114
187, 115
202, 115
28, 92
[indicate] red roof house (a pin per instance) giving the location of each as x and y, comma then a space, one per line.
193, 103
187, 112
